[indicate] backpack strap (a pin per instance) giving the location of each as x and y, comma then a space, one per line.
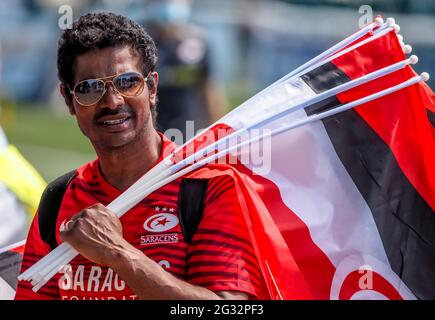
49, 206
191, 203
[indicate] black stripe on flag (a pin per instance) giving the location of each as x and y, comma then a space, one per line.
431, 117
325, 77
406, 223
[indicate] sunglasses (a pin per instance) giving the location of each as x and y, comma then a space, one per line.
90, 91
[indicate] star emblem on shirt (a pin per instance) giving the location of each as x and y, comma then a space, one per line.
163, 221
164, 209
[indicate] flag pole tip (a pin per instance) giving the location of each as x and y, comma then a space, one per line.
378, 21
407, 49
390, 21
396, 28
413, 59
425, 76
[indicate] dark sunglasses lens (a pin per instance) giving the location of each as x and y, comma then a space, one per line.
129, 84
89, 91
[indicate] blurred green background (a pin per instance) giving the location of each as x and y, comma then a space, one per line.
53, 143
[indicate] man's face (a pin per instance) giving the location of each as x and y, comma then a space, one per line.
115, 120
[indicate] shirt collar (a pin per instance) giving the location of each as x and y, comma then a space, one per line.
167, 147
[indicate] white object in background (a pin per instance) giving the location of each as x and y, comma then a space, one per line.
3, 140
13, 218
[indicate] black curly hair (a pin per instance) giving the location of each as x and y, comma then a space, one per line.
101, 30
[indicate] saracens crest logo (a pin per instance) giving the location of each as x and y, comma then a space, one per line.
162, 221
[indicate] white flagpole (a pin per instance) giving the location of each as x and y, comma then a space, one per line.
378, 22
322, 96
347, 50
389, 22
46, 260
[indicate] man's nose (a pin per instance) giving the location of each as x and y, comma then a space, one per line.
111, 99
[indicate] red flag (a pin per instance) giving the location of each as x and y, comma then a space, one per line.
348, 205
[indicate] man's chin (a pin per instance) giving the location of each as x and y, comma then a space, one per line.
114, 143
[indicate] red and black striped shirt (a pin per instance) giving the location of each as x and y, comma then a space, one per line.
220, 256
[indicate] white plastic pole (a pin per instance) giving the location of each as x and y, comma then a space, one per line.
318, 59
378, 22
423, 77
322, 96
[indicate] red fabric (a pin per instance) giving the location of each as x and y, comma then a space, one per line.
400, 118
312, 262
19, 249
352, 284
220, 256
296, 268
282, 276
291, 263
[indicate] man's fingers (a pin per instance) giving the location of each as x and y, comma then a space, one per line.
69, 229
96, 215
68, 225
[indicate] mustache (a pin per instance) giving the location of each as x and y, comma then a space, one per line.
111, 112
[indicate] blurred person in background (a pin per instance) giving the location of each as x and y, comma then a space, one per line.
21, 188
187, 90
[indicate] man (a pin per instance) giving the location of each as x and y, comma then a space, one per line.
106, 67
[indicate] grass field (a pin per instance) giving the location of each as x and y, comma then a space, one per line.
52, 143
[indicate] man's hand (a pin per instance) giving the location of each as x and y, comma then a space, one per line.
96, 233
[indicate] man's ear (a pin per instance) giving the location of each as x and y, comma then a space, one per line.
153, 89
67, 97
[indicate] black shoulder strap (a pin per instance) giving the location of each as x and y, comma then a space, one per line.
191, 202
49, 207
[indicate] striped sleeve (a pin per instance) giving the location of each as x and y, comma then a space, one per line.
35, 249
221, 257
